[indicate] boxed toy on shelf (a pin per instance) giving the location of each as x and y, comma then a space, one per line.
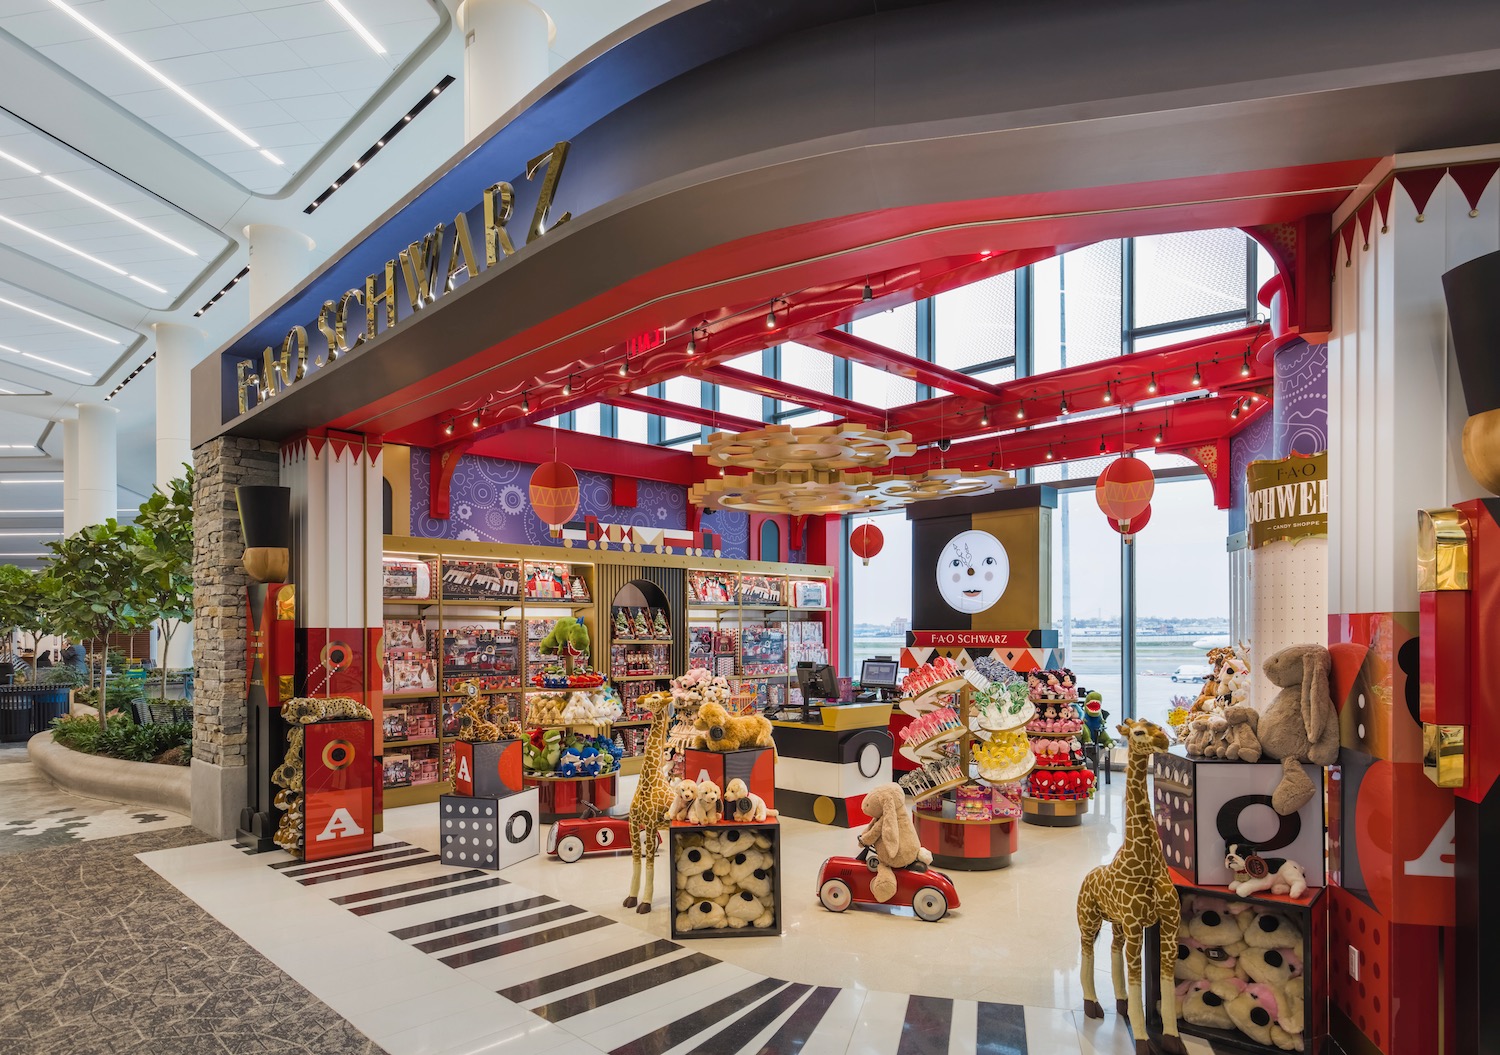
805, 642
407, 578
766, 591
424, 765
548, 581
397, 769
763, 648
481, 580
712, 587
486, 650
421, 720
393, 723
806, 594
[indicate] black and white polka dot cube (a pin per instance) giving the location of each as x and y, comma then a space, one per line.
488, 833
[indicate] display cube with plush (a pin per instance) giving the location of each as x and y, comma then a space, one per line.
1251, 973
725, 879
487, 769
756, 766
1204, 804
481, 831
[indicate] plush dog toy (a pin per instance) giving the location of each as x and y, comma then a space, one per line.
721, 731
1301, 725
705, 807
684, 791
1254, 1012
893, 836
1272, 930
742, 804
1205, 1003
704, 915
1253, 873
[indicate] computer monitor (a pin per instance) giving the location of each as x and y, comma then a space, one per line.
817, 682
878, 673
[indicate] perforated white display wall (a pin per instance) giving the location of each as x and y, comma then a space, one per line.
1289, 604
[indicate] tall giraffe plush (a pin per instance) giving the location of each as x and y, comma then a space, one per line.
1134, 891
648, 809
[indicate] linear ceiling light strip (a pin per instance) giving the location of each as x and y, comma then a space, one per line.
380, 144
227, 287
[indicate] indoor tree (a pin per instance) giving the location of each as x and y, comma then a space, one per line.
26, 605
99, 577
164, 549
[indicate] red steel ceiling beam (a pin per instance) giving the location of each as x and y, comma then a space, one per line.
789, 393
714, 419
867, 352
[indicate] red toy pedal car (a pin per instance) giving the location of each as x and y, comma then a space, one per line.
594, 833
845, 881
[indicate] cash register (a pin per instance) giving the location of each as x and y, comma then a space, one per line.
878, 680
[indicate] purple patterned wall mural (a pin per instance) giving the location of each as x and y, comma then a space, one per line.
1298, 422
489, 503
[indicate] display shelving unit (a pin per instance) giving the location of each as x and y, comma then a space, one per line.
1049, 810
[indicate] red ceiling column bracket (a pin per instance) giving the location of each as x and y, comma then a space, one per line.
444, 464
1213, 458
798, 533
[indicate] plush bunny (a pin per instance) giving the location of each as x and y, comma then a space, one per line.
892, 835
1301, 725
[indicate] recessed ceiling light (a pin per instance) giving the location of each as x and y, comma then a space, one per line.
162, 78
54, 318
21, 447
43, 359
28, 534
354, 24
18, 162
152, 231
61, 245
33, 480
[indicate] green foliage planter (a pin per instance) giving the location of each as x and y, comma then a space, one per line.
167, 743
112, 779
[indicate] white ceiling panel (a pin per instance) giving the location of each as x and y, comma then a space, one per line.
228, 55
64, 210
41, 337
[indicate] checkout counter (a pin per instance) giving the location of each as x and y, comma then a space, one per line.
830, 754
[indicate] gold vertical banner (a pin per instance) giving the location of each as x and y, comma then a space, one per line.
1287, 499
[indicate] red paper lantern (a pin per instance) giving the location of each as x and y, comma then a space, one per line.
866, 541
1137, 522
554, 493
1124, 489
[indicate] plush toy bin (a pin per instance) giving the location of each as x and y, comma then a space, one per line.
733, 839
756, 766
487, 769
1203, 804
1308, 914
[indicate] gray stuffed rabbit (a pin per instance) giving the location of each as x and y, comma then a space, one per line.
1301, 725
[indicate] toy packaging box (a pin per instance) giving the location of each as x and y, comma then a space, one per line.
481, 580
488, 833
1203, 804
487, 769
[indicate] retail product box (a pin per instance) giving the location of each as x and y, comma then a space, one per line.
492, 769
749, 889
1288, 952
477, 831
1203, 804
756, 766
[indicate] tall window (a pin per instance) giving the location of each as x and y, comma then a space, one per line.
878, 597
1086, 594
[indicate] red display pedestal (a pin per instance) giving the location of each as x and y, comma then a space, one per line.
967, 846
1309, 914
490, 769
338, 807
561, 797
1054, 813
756, 766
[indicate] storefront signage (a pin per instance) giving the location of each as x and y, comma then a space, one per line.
354, 317
970, 638
1287, 499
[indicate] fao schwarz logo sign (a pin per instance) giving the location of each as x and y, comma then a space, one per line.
1287, 499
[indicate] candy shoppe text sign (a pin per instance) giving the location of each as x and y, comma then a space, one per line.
1287, 499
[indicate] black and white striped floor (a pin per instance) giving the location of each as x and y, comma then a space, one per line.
433, 960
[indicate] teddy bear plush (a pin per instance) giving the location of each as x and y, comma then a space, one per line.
1241, 741
893, 837
705, 807
722, 731
1205, 1003
742, 804
684, 791
704, 915
1301, 725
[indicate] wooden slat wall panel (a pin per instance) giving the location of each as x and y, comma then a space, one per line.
673, 583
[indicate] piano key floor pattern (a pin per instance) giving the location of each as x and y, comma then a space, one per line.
431, 960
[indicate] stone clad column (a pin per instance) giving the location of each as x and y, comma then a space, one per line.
279, 258
219, 787
97, 462
505, 56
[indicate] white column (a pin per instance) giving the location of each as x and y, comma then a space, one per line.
279, 258
505, 56
177, 351
98, 497
70, 475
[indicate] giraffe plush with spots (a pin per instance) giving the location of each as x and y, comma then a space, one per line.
653, 798
1133, 892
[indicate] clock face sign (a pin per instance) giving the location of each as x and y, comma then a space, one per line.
972, 571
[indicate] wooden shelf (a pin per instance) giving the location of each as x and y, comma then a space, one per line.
632, 721
419, 602
469, 602
640, 641
640, 677
412, 743
429, 694
414, 794
537, 602
480, 692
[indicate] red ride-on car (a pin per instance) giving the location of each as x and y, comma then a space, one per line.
845, 881
594, 833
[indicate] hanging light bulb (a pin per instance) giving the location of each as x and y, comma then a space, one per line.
1197, 376
1109, 396
568, 386
771, 317
1049, 454
1236, 411
1062, 408
625, 367
448, 429
1158, 434
1245, 366
984, 418
1021, 410
1151, 388
692, 348
475, 421
1102, 448
525, 403
868, 294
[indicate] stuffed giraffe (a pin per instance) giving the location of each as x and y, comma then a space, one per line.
1133, 892
648, 809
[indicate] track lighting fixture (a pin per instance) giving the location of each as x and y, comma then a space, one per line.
1245, 366
1197, 376
1062, 408
568, 386
984, 418
1236, 411
625, 367
1151, 388
1049, 454
1158, 434
1109, 396
475, 421
525, 403
771, 317
448, 429
692, 347
1102, 448
1021, 410
869, 294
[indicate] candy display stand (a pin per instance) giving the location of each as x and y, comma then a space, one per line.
1058, 790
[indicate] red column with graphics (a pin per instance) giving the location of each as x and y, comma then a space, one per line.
340, 789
